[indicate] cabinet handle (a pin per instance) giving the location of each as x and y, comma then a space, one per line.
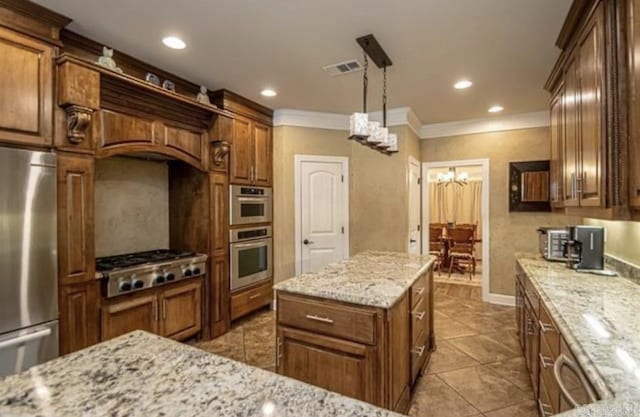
156, 313
254, 296
420, 291
546, 327
545, 409
278, 351
420, 315
419, 350
164, 309
563, 360
320, 319
579, 181
545, 361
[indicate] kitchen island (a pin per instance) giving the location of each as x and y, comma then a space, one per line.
362, 327
141, 374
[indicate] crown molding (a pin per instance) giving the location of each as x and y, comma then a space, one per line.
405, 116
489, 124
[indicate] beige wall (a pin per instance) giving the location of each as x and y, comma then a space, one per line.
377, 189
131, 206
623, 239
509, 232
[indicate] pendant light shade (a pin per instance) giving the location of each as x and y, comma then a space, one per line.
359, 126
393, 143
374, 132
383, 137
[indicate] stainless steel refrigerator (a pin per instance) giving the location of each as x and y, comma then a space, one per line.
28, 259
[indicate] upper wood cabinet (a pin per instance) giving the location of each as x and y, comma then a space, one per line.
26, 83
251, 153
588, 125
557, 148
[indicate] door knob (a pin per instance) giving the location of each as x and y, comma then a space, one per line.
412, 241
307, 242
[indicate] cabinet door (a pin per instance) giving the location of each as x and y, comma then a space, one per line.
592, 106
219, 308
79, 316
76, 255
262, 155
333, 364
532, 348
137, 312
557, 147
182, 310
26, 108
634, 108
241, 155
571, 131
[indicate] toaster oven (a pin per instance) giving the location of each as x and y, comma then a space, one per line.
551, 241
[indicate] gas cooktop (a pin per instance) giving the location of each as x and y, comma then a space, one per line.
109, 263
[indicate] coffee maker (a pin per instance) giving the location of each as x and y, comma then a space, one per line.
584, 249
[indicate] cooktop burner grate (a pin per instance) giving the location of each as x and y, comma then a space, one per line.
140, 258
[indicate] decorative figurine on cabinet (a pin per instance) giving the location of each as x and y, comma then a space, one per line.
107, 61
152, 78
169, 85
203, 96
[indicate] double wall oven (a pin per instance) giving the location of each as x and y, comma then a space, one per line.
250, 236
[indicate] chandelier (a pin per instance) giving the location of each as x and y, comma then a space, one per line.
368, 132
452, 177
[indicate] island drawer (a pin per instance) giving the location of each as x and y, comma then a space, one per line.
419, 320
419, 354
333, 319
549, 332
419, 290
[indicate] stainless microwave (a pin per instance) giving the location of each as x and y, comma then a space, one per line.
249, 205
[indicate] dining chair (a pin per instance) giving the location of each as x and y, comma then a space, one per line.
461, 252
436, 245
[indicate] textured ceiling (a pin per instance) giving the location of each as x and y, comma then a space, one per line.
505, 46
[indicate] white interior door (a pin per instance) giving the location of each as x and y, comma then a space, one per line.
323, 203
415, 246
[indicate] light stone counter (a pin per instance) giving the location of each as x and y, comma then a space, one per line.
140, 374
600, 320
374, 279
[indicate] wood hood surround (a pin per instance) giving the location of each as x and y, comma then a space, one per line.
86, 112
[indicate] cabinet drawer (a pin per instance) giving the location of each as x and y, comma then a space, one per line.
533, 296
549, 333
244, 302
419, 290
338, 320
546, 362
419, 320
544, 404
419, 354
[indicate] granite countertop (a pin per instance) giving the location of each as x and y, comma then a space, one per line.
600, 319
140, 374
375, 279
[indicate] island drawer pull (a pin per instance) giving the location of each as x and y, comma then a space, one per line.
545, 409
420, 315
419, 350
254, 296
545, 361
419, 291
547, 327
164, 309
320, 319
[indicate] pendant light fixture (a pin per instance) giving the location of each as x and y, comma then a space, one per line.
368, 132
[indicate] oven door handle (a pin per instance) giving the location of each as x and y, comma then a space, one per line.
253, 199
256, 244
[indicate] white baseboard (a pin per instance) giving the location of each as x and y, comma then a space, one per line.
500, 299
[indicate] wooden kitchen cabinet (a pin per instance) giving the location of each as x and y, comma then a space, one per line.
138, 312
571, 139
634, 102
26, 83
556, 164
78, 306
337, 365
181, 308
173, 311
251, 153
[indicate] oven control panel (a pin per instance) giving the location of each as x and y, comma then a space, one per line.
125, 281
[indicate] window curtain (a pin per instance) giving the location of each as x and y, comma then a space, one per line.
455, 203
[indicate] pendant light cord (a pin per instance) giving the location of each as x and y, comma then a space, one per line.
384, 97
365, 83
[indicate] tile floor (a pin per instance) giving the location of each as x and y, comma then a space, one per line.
477, 370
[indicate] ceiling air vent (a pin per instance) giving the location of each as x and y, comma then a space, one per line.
341, 68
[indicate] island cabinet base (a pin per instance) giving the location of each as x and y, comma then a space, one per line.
369, 353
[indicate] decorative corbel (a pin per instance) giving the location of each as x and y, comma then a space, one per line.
78, 121
221, 149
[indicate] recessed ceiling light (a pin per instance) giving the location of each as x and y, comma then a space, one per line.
462, 84
495, 109
174, 42
268, 92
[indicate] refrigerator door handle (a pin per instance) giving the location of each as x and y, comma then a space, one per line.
25, 338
